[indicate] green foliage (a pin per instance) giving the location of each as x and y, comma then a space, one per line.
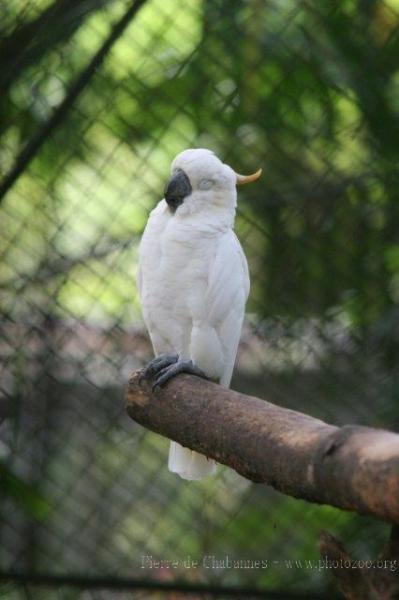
309, 91
24, 494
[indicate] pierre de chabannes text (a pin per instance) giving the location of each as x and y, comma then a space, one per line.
210, 561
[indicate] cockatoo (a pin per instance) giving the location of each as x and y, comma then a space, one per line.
193, 282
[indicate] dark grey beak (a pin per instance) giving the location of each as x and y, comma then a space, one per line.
177, 188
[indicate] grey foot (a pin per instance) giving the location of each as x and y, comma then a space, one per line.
157, 364
181, 366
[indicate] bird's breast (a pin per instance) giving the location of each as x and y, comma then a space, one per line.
175, 265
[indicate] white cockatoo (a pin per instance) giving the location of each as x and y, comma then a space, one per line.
193, 282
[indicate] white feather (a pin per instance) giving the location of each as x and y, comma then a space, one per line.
193, 283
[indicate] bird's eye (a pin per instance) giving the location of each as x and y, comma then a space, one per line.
205, 184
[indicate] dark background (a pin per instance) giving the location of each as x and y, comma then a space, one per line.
91, 117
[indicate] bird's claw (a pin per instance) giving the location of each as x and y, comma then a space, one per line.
181, 366
156, 365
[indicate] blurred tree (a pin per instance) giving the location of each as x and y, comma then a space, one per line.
309, 91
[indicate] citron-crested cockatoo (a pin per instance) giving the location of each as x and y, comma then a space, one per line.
193, 282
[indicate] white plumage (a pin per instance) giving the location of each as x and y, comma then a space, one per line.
193, 278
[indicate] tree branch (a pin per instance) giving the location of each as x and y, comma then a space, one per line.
29, 41
352, 467
35, 143
365, 579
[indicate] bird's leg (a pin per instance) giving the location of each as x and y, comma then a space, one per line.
157, 364
179, 366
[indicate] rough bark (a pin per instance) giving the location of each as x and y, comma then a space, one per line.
352, 467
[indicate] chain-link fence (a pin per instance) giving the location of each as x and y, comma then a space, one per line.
98, 96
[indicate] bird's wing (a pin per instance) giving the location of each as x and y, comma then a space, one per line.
227, 293
139, 279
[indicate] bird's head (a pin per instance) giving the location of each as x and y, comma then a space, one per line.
200, 181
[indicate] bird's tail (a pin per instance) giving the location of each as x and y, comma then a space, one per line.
189, 464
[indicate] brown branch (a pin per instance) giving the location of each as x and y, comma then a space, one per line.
363, 579
352, 467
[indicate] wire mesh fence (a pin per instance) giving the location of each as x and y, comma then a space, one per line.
98, 97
